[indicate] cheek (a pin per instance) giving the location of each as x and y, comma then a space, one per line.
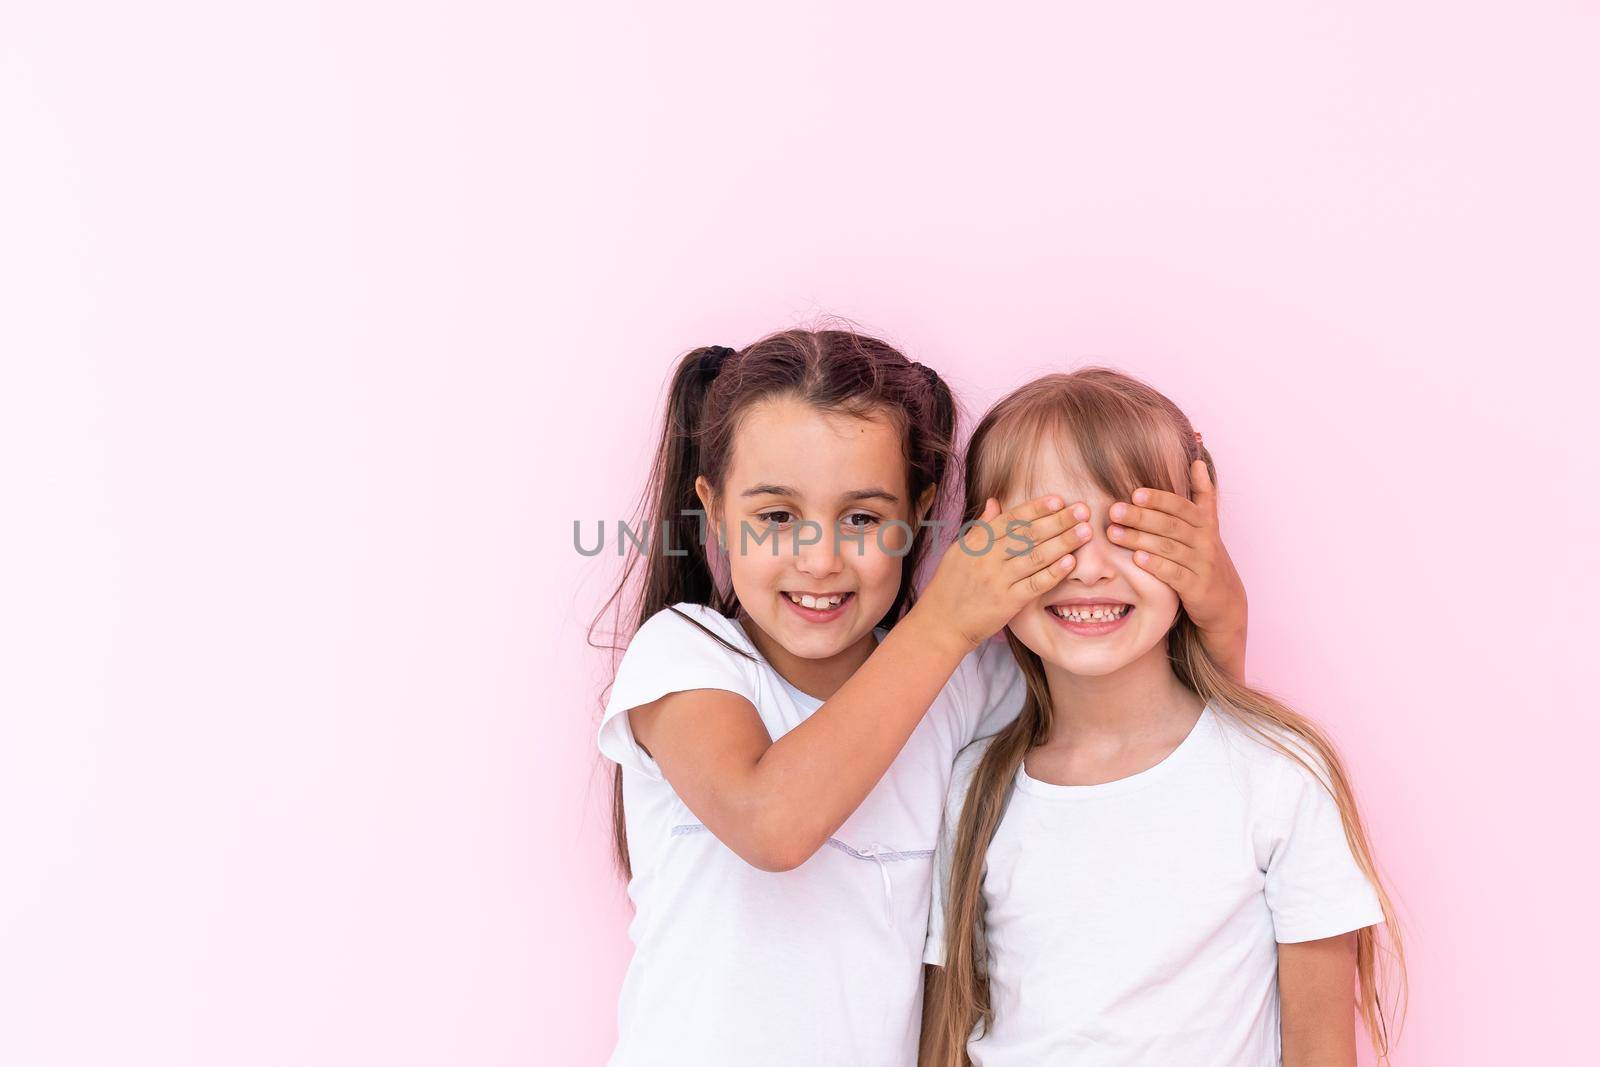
890, 537
878, 567
1033, 630
1157, 600
756, 567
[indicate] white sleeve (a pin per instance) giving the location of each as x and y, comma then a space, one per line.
668, 654
1314, 888
966, 766
995, 689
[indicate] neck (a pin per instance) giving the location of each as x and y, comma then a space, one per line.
820, 678
1140, 698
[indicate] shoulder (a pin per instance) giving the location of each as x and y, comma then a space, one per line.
1275, 753
967, 760
989, 687
963, 771
688, 626
992, 662
685, 646
679, 648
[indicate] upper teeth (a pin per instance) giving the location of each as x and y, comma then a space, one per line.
1098, 613
807, 600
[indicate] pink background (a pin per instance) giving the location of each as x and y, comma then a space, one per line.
322, 322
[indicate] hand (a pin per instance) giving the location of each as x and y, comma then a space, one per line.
999, 565
1179, 541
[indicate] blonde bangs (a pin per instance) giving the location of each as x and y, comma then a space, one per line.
1106, 429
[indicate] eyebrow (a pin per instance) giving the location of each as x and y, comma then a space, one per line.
871, 493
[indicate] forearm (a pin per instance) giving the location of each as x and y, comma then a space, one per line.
1316, 990
775, 802
1319, 1048
807, 783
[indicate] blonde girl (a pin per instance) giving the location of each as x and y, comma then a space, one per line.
1152, 863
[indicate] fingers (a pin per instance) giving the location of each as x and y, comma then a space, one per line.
1036, 509
1040, 582
1170, 504
1042, 542
1032, 544
1155, 522
982, 530
1048, 561
1183, 580
1205, 492
1155, 544
1019, 533
1018, 530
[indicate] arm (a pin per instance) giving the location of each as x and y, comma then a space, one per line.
1316, 988
776, 802
1180, 542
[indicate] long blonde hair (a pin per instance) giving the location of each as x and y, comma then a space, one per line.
1122, 434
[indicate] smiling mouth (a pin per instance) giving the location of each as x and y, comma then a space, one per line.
1088, 613
826, 602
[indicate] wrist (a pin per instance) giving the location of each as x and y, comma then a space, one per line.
1225, 643
1228, 631
1231, 624
935, 630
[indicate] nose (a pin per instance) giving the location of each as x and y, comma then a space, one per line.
817, 552
1094, 562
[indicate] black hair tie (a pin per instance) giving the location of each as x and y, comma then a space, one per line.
711, 360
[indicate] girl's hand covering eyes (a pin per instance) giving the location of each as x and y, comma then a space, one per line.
1002, 562
1180, 542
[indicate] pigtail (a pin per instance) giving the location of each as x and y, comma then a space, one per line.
673, 529
931, 438
677, 568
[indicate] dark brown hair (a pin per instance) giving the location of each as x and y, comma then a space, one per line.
835, 371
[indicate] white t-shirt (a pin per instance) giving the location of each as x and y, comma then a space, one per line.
1136, 922
819, 965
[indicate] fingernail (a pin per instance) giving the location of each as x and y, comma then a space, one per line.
1115, 531
1064, 563
1080, 512
1119, 511
1054, 503
1140, 496
1082, 530
1142, 557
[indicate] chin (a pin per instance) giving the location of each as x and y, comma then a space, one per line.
809, 646
808, 642
1088, 664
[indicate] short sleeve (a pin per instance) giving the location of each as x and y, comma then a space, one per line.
995, 689
944, 849
668, 654
1314, 887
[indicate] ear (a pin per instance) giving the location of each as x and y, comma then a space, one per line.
708, 504
925, 501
